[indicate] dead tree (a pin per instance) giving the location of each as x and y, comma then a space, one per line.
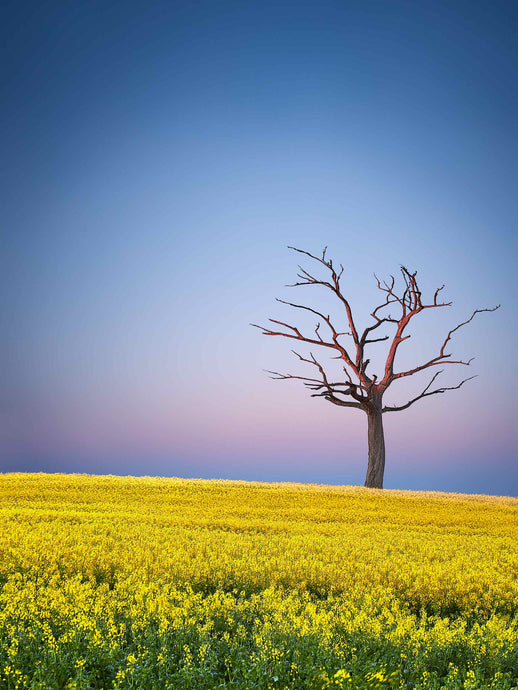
359, 389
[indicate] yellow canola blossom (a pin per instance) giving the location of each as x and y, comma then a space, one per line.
119, 582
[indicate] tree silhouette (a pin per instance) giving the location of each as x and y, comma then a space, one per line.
359, 389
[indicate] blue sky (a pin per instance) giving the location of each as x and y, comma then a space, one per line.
158, 159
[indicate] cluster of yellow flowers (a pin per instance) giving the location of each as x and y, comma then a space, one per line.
116, 582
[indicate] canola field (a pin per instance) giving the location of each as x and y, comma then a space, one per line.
121, 582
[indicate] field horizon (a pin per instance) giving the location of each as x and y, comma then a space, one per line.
310, 485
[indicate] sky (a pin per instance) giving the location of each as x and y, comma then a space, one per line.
158, 159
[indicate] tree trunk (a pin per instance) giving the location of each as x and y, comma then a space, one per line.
376, 466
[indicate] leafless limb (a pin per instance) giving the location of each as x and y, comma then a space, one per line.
334, 285
331, 389
411, 304
335, 335
448, 337
426, 393
442, 358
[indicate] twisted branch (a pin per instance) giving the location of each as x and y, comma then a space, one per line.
426, 393
331, 389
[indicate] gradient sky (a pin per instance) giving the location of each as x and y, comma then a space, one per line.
157, 159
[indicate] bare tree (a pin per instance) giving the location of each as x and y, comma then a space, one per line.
358, 389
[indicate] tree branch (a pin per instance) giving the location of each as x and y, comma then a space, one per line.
442, 358
308, 279
448, 337
330, 391
426, 393
412, 304
297, 335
